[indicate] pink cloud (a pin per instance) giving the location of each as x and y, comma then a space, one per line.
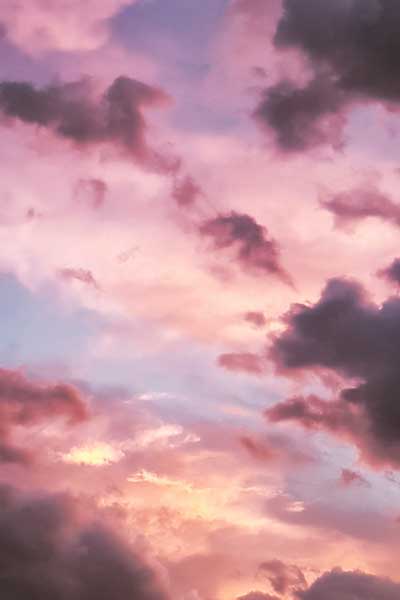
42, 26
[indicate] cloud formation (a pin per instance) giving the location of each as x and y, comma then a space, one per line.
74, 111
92, 190
82, 275
39, 26
361, 203
48, 552
256, 318
186, 191
353, 51
349, 477
358, 340
242, 362
350, 585
283, 578
301, 117
254, 250
392, 272
24, 403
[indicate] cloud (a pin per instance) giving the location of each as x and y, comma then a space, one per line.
92, 190
274, 448
245, 362
255, 318
356, 39
359, 341
40, 26
11, 454
79, 275
75, 112
49, 551
323, 515
392, 272
301, 117
350, 585
186, 191
259, 451
313, 413
353, 50
24, 403
348, 478
361, 203
258, 596
254, 250
282, 577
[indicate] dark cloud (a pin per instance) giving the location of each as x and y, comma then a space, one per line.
360, 341
353, 48
82, 275
48, 552
242, 362
301, 117
282, 577
25, 403
392, 272
75, 112
357, 39
361, 203
354, 585
186, 191
256, 318
255, 251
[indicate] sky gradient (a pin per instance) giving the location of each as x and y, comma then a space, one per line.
199, 300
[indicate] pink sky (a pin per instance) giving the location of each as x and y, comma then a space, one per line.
199, 276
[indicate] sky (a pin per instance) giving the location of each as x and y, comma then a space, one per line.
199, 300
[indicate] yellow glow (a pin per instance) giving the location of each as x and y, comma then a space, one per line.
96, 455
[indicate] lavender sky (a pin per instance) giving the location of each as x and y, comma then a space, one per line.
199, 279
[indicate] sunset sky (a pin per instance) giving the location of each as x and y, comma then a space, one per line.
199, 299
